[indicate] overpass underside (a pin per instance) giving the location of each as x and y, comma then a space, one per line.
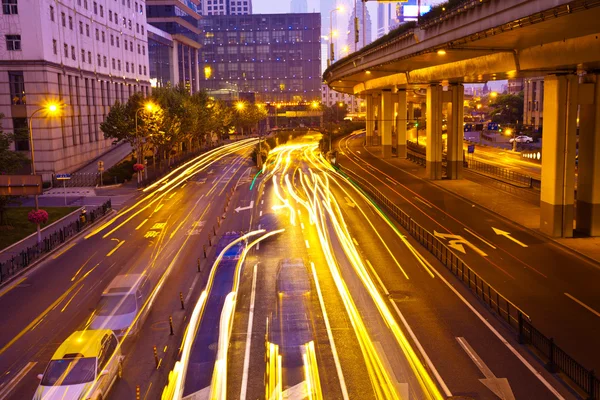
487, 40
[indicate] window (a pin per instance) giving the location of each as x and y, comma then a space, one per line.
73, 52
139, 49
142, 30
21, 132
140, 69
129, 24
144, 70
52, 13
128, 3
85, 4
82, 56
54, 46
137, 28
104, 61
127, 66
110, 15
63, 19
95, 6
125, 44
87, 30
13, 42
66, 48
131, 47
9, 7
112, 40
124, 22
17, 87
103, 37
102, 11
113, 63
80, 28
143, 50
119, 64
97, 35
99, 60
117, 42
89, 57
116, 18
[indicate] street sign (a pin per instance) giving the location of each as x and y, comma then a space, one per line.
63, 177
20, 185
492, 126
471, 149
100, 166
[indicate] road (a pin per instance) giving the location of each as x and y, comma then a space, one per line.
554, 286
170, 219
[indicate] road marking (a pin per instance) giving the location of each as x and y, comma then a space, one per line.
142, 224
306, 242
72, 297
349, 202
582, 304
172, 194
302, 225
176, 229
249, 336
422, 350
499, 386
189, 295
262, 202
507, 235
336, 359
480, 238
238, 209
10, 386
60, 253
387, 293
423, 201
355, 242
12, 286
260, 214
110, 253
157, 209
458, 242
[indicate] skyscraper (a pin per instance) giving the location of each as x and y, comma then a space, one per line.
225, 7
298, 6
366, 26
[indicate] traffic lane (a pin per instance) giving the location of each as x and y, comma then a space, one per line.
539, 279
437, 316
505, 159
135, 257
140, 365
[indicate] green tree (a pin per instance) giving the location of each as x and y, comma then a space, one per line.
119, 124
507, 108
10, 162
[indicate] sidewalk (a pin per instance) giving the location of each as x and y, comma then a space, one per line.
110, 158
85, 196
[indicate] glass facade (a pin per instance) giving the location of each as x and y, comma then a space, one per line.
276, 56
159, 54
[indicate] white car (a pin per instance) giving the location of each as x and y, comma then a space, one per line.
522, 139
85, 366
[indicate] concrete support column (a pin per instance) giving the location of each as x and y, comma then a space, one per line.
370, 109
455, 135
410, 112
175, 64
588, 177
197, 69
558, 155
401, 124
386, 119
433, 117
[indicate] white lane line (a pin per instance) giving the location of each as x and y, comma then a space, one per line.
194, 282
249, 337
582, 304
422, 201
302, 225
262, 202
336, 359
355, 242
475, 357
306, 242
260, 214
422, 350
387, 293
142, 224
480, 238
10, 386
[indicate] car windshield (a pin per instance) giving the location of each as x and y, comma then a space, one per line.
116, 305
69, 371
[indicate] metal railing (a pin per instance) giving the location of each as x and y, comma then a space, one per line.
49, 242
78, 179
557, 359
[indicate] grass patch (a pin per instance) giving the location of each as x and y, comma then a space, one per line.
19, 227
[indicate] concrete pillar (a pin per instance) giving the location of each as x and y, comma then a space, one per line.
197, 69
455, 132
401, 124
433, 119
175, 63
410, 112
386, 119
370, 109
558, 155
588, 177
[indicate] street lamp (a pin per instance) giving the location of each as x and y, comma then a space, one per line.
331, 48
51, 109
149, 107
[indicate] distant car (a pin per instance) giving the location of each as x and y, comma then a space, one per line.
85, 366
521, 139
121, 307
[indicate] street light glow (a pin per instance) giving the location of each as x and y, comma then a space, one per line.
150, 107
239, 105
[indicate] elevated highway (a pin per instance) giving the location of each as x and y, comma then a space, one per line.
484, 40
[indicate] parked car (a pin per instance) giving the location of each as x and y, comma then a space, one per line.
521, 139
120, 304
85, 366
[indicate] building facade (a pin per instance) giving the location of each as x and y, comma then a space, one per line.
85, 54
225, 7
275, 56
298, 7
366, 26
330, 98
533, 102
514, 86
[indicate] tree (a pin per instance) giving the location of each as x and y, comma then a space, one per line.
507, 108
119, 124
10, 162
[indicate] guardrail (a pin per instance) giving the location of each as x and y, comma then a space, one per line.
49, 243
557, 360
78, 179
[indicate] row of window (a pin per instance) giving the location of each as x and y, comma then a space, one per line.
10, 7
126, 22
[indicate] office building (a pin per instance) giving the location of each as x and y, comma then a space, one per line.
225, 7
275, 56
298, 6
330, 97
86, 54
515, 86
366, 26
533, 102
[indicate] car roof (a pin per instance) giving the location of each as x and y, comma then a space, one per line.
82, 344
124, 283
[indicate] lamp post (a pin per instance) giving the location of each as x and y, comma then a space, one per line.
50, 109
331, 47
150, 107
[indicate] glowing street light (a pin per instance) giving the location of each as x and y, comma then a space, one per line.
148, 107
239, 105
493, 95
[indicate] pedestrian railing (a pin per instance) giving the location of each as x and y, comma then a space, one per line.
557, 359
50, 242
78, 179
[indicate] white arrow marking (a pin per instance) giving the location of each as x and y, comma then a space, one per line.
507, 235
499, 386
458, 242
238, 209
349, 202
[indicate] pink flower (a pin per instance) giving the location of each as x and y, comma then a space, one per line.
138, 167
37, 217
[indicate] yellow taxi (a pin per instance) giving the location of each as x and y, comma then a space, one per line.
85, 366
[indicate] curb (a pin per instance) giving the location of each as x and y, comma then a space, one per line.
36, 263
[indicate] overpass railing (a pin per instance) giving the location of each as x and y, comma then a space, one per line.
557, 360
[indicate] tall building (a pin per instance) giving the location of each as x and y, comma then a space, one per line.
275, 56
225, 7
391, 15
330, 97
298, 6
86, 54
361, 26
180, 23
515, 85
533, 102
